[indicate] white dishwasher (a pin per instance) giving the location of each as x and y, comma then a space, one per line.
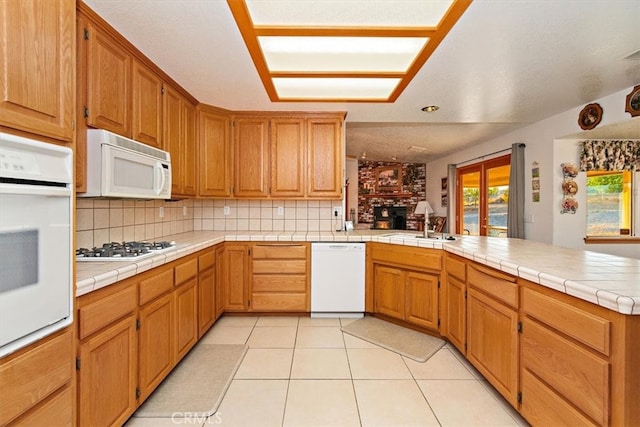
337, 279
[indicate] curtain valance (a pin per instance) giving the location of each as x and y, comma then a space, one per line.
610, 155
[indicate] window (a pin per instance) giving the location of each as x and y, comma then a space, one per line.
610, 203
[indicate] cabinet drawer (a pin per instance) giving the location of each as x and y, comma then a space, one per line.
186, 271
288, 266
456, 268
57, 411
576, 374
279, 252
34, 375
542, 406
155, 286
206, 261
418, 258
105, 311
279, 283
585, 327
279, 302
499, 285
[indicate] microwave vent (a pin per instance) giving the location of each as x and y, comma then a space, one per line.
140, 148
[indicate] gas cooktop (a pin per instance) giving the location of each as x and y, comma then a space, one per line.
123, 251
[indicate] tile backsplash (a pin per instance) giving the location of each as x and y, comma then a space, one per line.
99, 221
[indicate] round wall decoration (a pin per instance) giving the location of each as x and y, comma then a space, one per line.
590, 116
633, 102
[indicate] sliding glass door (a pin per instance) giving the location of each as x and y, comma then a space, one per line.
483, 194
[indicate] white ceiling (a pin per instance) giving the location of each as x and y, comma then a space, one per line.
505, 64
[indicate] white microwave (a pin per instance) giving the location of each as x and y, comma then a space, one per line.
123, 168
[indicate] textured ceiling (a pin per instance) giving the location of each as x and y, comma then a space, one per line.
504, 65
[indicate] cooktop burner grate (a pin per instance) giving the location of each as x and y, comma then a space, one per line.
115, 251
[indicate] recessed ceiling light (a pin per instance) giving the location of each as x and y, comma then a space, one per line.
430, 108
345, 51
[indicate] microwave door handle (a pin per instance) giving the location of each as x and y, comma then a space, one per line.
159, 174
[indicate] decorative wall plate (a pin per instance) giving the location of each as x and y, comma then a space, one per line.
633, 102
590, 116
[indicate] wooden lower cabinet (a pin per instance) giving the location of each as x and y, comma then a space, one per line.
56, 410
236, 277
280, 277
492, 342
390, 291
35, 377
107, 375
407, 295
454, 325
492, 328
156, 345
207, 298
186, 309
566, 361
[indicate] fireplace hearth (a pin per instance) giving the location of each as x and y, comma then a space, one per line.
390, 217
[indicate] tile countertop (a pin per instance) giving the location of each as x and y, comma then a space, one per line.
607, 280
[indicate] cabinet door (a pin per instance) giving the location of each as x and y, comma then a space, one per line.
455, 313
189, 143
389, 290
186, 297
421, 304
236, 277
287, 157
156, 345
108, 83
220, 280
107, 375
37, 72
172, 122
251, 159
324, 158
206, 300
214, 148
147, 106
492, 342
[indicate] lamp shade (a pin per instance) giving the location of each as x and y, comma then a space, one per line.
422, 208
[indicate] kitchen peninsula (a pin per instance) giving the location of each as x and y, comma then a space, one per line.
548, 327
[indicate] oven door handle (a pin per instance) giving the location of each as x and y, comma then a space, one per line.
35, 190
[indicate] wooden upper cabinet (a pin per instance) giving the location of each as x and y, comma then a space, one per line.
147, 106
180, 141
325, 158
189, 164
172, 140
108, 82
287, 157
251, 160
214, 154
37, 85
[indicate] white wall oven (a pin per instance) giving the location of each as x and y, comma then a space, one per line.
36, 289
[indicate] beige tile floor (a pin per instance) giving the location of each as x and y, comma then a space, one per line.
302, 371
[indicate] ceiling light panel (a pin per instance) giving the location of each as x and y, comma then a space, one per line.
347, 50
335, 54
373, 89
360, 13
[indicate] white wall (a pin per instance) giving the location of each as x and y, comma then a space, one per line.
548, 144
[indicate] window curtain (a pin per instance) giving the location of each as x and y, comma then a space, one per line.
515, 207
610, 155
451, 198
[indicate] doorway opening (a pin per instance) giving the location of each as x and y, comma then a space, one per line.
483, 196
